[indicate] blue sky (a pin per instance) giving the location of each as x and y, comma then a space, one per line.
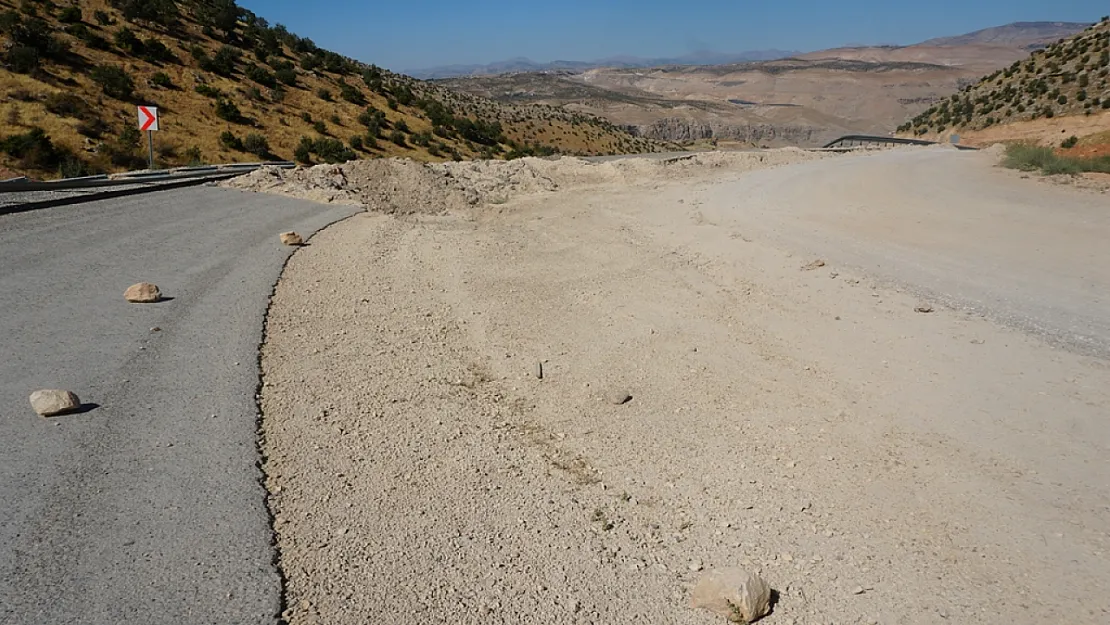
413, 34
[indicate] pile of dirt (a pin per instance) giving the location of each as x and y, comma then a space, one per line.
405, 186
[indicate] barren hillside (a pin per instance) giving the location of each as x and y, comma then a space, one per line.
232, 87
804, 100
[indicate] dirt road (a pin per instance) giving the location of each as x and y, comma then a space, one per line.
876, 464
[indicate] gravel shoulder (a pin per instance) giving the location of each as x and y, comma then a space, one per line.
874, 463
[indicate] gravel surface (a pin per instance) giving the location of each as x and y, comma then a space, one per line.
874, 464
146, 509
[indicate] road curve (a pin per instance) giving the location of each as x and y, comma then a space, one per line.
949, 226
148, 508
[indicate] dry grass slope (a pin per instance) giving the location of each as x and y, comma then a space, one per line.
231, 87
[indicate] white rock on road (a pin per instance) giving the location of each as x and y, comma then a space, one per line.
53, 402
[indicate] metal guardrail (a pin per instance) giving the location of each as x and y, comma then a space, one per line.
21, 185
861, 140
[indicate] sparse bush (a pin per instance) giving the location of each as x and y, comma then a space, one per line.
193, 157
303, 152
254, 94
401, 125
287, 76
398, 138
356, 142
162, 12
223, 63
128, 41
351, 94
324, 94
320, 127
70, 15
115, 81
68, 105
227, 110
94, 128
23, 59
277, 94
230, 141
332, 150
208, 91
102, 18
161, 79
34, 149
335, 119
1069, 142
1032, 158
307, 117
261, 76
257, 144
1062, 99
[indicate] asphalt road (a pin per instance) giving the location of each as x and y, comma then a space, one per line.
148, 507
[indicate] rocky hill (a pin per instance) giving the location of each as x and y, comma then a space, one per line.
1027, 34
1069, 77
231, 87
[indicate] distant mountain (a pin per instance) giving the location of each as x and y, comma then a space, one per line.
1024, 34
521, 64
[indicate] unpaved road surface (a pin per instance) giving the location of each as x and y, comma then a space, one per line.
876, 464
147, 509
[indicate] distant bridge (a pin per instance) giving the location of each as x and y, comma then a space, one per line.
851, 141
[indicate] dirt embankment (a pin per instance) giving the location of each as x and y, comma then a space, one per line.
404, 186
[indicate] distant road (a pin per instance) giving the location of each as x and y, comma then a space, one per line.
148, 509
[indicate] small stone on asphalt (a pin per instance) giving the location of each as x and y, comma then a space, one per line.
53, 402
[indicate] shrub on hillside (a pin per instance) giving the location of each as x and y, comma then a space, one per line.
223, 62
227, 110
70, 15
161, 79
324, 94
114, 80
208, 91
162, 12
351, 94
356, 142
332, 150
287, 76
230, 141
34, 149
257, 144
1069, 142
68, 104
303, 152
102, 18
261, 76
320, 127
398, 138
22, 59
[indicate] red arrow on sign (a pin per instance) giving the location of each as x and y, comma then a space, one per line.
146, 118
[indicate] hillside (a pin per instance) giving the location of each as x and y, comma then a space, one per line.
1027, 34
230, 87
804, 100
1069, 77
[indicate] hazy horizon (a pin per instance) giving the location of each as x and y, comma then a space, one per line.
414, 36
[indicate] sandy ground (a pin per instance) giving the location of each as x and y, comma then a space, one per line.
875, 464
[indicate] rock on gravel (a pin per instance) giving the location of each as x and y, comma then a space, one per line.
143, 293
53, 402
618, 397
735, 594
817, 264
923, 309
291, 238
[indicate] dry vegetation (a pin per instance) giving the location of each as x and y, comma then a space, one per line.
231, 87
1069, 77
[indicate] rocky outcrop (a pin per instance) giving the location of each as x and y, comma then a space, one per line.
681, 130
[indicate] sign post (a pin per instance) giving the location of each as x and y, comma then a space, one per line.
148, 122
